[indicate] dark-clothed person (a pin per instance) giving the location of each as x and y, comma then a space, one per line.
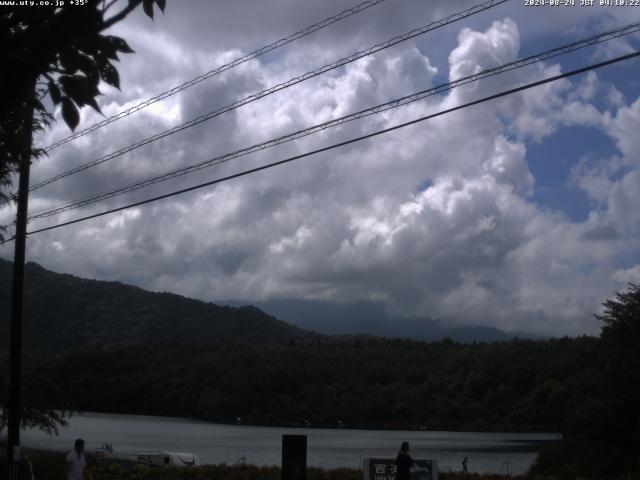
403, 462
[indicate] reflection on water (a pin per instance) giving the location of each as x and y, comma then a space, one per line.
214, 443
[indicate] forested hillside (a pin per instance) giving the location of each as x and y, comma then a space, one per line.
116, 348
108, 347
518, 385
63, 311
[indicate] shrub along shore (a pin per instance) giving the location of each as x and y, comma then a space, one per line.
47, 465
50, 466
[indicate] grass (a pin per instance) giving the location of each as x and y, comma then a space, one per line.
50, 466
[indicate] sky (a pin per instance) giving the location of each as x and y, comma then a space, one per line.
517, 213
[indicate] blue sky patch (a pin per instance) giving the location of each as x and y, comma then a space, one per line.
551, 161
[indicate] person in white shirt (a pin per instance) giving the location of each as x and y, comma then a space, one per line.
76, 463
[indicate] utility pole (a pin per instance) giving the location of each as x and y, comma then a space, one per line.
15, 336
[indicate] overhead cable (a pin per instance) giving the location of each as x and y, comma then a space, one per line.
539, 57
218, 70
276, 88
340, 144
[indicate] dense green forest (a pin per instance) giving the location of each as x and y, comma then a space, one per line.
517, 385
64, 312
588, 388
109, 347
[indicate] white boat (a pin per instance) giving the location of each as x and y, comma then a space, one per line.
176, 459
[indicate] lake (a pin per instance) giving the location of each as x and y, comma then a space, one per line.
327, 448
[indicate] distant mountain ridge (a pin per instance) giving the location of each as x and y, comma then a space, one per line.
64, 311
370, 318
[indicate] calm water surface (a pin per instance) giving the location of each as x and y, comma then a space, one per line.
327, 448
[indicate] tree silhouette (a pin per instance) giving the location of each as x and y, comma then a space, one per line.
63, 52
621, 345
601, 428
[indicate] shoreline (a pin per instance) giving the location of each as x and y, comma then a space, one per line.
434, 428
261, 446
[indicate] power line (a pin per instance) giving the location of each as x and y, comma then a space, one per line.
222, 68
594, 40
276, 88
341, 144
363, 113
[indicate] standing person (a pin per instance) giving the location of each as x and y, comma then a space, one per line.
464, 464
403, 462
76, 463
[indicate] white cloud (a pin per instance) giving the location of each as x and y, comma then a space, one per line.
629, 275
477, 51
437, 219
624, 128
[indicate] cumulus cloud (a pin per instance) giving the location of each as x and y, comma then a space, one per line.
623, 127
629, 275
437, 219
477, 51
